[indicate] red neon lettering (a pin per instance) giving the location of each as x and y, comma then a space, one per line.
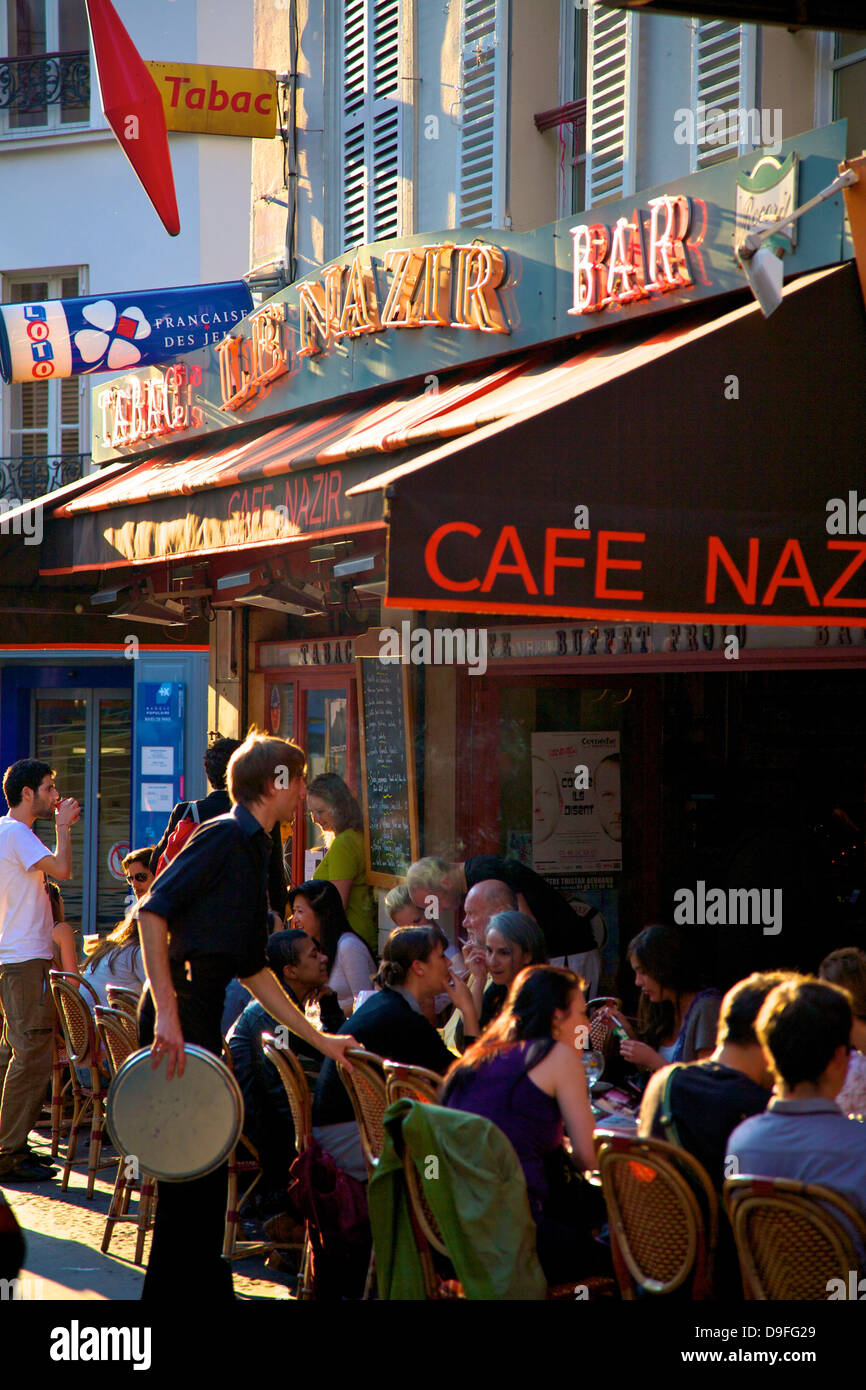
313, 518
431, 551
667, 266
335, 483
802, 579
748, 588
552, 561
508, 536
832, 594
604, 562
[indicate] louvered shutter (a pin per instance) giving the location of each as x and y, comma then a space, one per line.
371, 120
723, 83
480, 183
611, 103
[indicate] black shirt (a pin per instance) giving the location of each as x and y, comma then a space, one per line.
388, 1025
565, 933
219, 803
213, 894
707, 1101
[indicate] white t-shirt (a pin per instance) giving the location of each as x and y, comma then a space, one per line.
26, 920
352, 971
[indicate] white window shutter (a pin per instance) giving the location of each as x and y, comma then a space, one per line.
611, 103
371, 121
723, 85
483, 107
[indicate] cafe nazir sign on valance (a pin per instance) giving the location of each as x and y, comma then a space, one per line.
420, 305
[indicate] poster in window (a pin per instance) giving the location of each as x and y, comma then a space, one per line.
576, 803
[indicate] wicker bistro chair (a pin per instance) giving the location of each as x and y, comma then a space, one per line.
792, 1237
663, 1214
425, 1227
124, 999
234, 1249
120, 1041
429, 1242
297, 1090
366, 1087
79, 1032
403, 1081
365, 1084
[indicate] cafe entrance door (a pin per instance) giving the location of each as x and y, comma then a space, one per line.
86, 736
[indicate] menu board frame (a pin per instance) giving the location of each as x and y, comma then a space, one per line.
374, 877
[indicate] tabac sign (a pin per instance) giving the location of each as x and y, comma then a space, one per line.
421, 305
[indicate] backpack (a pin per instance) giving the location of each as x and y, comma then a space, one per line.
189, 822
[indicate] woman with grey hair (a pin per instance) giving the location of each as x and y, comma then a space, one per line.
513, 940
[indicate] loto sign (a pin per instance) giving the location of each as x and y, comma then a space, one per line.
217, 101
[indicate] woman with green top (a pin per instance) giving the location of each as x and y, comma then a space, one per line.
338, 815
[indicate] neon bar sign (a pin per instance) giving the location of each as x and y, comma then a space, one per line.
135, 410
640, 258
441, 286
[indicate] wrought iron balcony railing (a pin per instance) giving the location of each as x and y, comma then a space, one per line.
29, 85
23, 479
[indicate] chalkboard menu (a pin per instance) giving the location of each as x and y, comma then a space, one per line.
387, 770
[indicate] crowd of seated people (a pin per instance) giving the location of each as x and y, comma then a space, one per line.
762, 1081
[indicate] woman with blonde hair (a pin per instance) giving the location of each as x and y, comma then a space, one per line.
338, 815
847, 967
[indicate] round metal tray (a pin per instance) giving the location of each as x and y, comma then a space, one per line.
178, 1129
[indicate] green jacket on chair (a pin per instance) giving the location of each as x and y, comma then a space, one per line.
473, 1183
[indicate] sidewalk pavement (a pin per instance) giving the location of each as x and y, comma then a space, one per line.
64, 1233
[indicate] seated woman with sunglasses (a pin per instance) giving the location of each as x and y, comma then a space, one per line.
525, 1074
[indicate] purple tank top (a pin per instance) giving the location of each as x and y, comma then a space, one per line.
500, 1090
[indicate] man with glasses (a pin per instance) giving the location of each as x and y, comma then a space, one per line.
137, 870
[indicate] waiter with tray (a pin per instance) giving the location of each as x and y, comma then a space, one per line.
203, 923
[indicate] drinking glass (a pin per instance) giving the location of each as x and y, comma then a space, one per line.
593, 1065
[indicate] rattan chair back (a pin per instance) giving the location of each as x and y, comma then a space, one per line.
296, 1087
406, 1082
365, 1084
792, 1237
76, 1018
116, 1035
124, 999
663, 1215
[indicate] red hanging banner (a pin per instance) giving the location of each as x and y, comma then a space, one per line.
133, 108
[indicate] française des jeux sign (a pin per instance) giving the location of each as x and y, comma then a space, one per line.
417, 306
